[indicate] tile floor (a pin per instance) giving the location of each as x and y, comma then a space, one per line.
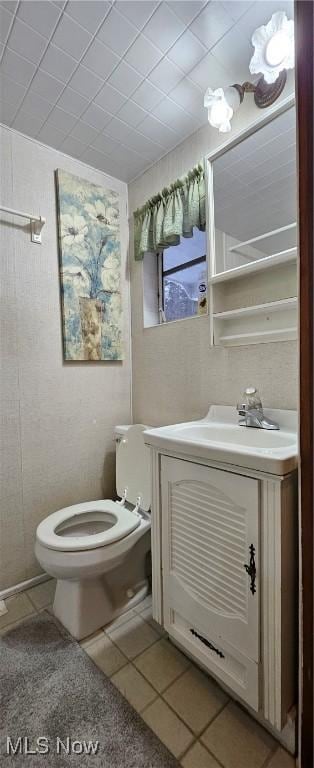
186, 709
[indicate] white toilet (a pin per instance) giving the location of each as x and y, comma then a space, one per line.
98, 550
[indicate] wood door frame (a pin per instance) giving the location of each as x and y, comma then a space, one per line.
304, 12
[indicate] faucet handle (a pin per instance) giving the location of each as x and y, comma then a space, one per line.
252, 399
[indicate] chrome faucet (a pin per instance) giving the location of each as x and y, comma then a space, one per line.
251, 411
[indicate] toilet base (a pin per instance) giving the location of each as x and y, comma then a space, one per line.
83, 607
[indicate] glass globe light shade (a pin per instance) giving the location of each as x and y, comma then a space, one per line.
277, 49
273, 47
221, 106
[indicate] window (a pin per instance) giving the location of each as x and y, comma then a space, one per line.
182, 273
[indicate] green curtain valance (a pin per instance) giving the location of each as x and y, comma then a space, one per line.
173, 213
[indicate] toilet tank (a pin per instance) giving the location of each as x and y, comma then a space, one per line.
120, 430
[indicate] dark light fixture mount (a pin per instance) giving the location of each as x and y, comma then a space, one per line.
273, 55
264, 94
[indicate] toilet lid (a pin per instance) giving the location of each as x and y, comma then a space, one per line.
133, 472
87, 526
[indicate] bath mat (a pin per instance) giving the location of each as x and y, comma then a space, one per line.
56, 701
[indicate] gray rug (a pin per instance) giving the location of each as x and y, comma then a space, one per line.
50, 688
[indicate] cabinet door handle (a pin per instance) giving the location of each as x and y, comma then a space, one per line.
207, 643
251, 569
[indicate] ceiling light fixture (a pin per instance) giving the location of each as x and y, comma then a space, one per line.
274, 47
273, 55
221, 105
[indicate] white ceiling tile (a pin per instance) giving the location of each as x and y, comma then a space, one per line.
146, 122
105, 144
100, 59
50, 135
233, 53
47, 86
96, 117
72, 147
41, 15
212, 23
236, 8
73, 102
26, 41
156, 131
29, 124
143, 145
166, 75
9, 5
85, 82
186, 9
5, 23
84, 133
143, 55
147, 96
93, 157
58, 64
109, 99
125, 79
62, 120
10, 91
138, 11
33, 104
131, 113
7, 112
17, 67
117, 129
164, 27
89, 13
187, 51
210, 73
175, 117
125, 155
260, 13
117, 32
71, 37
188, 96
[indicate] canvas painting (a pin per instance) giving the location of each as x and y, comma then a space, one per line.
90, 269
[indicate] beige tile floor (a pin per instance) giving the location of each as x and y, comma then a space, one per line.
185, 708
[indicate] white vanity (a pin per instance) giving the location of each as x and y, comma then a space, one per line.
225, 550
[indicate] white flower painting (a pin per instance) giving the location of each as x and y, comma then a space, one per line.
90, 269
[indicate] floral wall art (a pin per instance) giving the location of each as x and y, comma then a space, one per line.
90, 269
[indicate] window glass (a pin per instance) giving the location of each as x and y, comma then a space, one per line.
184, 278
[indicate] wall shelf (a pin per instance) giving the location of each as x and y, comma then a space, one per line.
269, 262
274, 321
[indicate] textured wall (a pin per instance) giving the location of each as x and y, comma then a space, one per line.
56, 418
176, 374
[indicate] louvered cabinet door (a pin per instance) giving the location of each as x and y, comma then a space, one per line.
210, 532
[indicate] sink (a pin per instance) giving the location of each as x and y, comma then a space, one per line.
220, 438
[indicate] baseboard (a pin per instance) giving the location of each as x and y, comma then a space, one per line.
24, 585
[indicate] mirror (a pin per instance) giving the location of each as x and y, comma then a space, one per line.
254, 195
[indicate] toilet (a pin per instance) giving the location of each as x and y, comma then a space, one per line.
99, 550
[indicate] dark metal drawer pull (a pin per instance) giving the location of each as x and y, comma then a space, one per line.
207, 643
251, 569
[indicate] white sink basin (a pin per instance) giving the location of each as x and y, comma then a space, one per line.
219, 437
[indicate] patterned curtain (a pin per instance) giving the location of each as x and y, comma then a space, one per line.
170, 215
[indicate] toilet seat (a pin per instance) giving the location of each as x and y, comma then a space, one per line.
118, 522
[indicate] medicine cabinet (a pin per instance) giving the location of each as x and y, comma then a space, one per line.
252, 203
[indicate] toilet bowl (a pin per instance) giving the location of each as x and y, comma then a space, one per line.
98, 550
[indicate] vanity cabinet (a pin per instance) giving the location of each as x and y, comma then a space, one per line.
224, 546
210, 531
